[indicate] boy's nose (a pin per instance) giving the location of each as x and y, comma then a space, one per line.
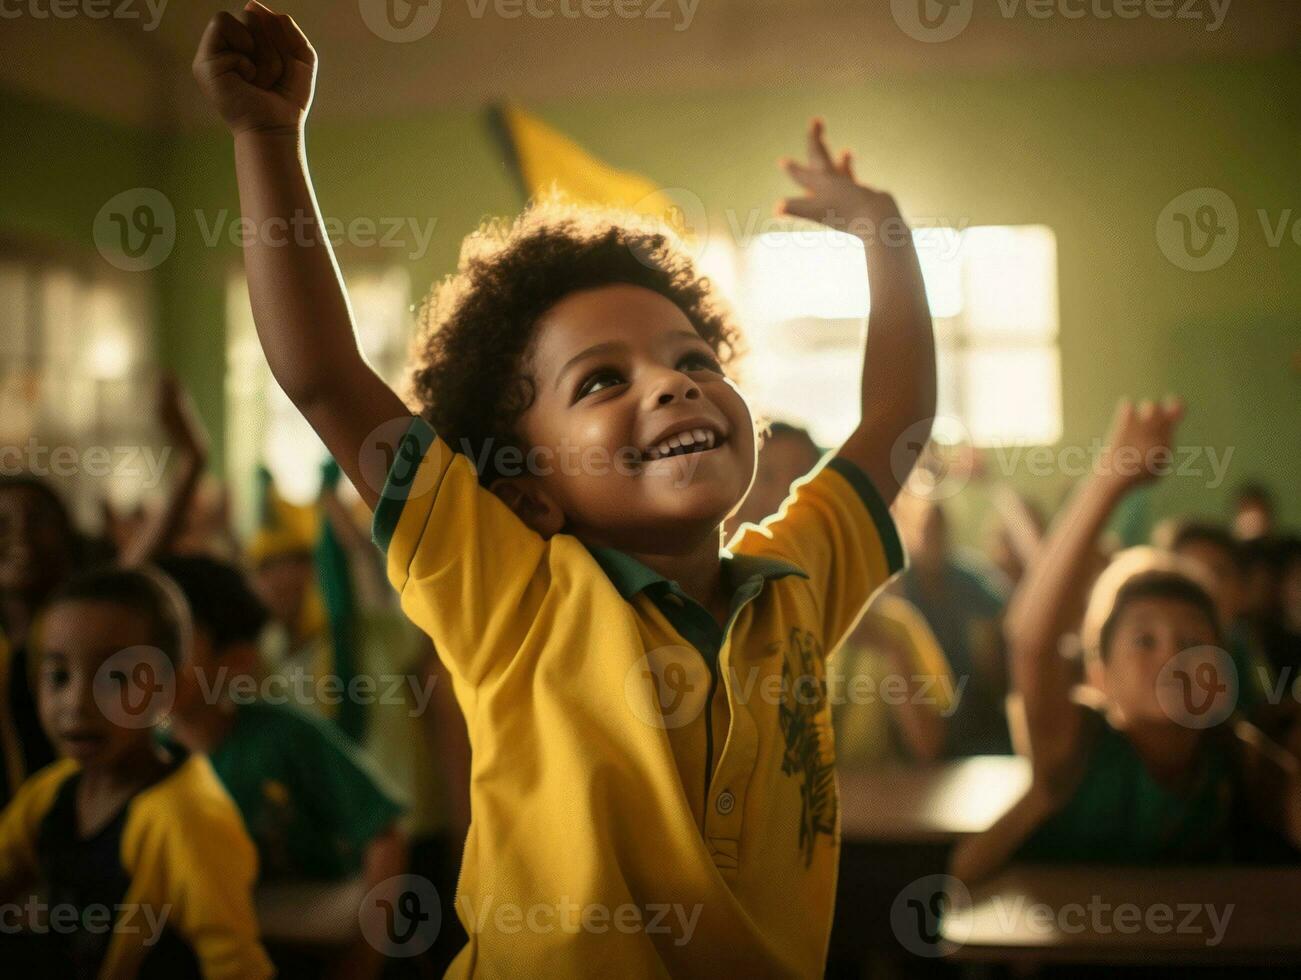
675, 386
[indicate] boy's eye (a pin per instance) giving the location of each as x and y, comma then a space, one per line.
595, 381
703, 361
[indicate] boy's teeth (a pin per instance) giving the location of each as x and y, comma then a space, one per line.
683, 440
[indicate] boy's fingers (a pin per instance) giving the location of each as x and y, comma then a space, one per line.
802, 207
267, 59
233, 61
279, 37
818, 155
225, 32
299, 46
805, 176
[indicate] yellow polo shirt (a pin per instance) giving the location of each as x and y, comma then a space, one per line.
651, 795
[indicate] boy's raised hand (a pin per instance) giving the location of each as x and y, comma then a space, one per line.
1138, 445
257, 68
833, 196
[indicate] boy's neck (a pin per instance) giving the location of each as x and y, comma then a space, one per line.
130, 773
1169, 752
699, 573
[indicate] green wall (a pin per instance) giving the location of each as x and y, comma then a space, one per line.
1094, 156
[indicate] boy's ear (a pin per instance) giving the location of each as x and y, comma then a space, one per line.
531, 504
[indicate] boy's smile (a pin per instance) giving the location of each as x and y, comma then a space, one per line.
653, 444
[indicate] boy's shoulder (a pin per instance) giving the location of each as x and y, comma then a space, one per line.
37, 793
189, 797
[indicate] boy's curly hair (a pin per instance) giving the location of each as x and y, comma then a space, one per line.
470, 376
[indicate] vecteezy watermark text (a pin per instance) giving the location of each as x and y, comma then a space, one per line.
566, 915
63, 918
37, 459
149, 12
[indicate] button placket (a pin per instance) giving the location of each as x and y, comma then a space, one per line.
735, 767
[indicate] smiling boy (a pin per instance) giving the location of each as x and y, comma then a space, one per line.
590, 620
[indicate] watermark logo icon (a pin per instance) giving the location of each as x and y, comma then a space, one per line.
1198, 688
135, 687
668, 687
927, 458
401, 916
932, 21
136, 230
400, 21
684, 212
391, 460
1198, 230
919, 915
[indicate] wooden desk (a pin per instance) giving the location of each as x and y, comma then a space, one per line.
1126, 915
933, 804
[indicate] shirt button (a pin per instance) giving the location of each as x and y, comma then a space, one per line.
725, 802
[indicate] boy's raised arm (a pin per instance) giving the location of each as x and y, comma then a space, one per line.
898, 389
259, 71
1050, 594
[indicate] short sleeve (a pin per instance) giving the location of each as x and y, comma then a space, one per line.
469, 572
20, 823
188, 851
838, 530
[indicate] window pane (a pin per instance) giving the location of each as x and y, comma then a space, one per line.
1013, 395
381, 303
63, 298
819, 390
940, 251
1010, 281
816, 273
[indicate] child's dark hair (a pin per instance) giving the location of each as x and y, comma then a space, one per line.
470, 376
144, 591
1141, 573
221, 602
1254, 492
1205, 532
56, 508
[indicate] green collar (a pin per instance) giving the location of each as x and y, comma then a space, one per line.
631, 577
746, 574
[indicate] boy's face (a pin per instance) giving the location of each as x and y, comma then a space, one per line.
281, 583
619, 374
1148, 634
77, 638
1252, 520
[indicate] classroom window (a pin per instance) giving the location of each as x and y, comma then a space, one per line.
263, 426
76, 373
993, 294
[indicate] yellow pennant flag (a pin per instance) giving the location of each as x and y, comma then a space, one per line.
550, 163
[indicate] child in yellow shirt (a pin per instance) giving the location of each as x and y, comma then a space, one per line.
140, 859
653, 788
